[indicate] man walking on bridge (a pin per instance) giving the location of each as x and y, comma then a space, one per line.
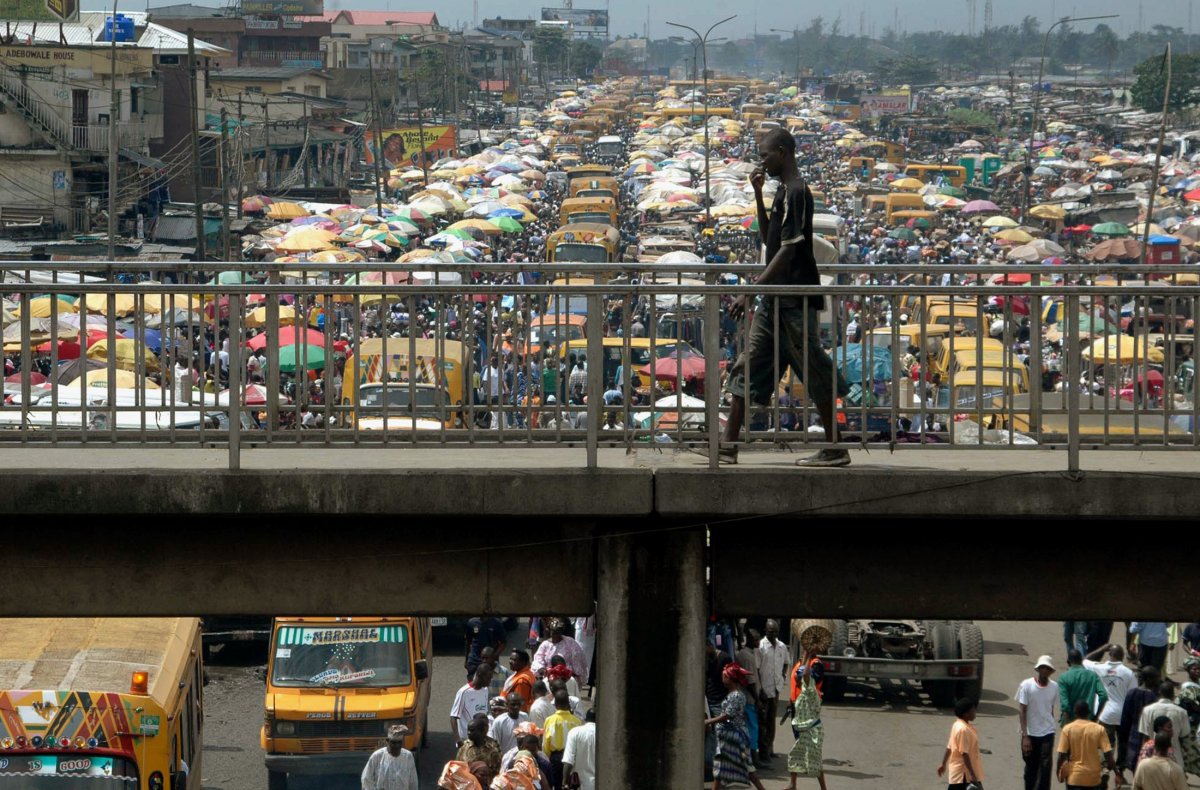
789, 250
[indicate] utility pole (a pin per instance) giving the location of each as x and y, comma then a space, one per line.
241, 167
378, 153
113, 110
225, 234
421, 130
267, 144
305, 153
191, 44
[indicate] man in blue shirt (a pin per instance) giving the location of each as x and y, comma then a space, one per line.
1152, 643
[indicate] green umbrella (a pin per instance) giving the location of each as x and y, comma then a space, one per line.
1096, 325
232, 278
952, 191
290, 357
903, 233
461, 233
1111, 229
507, 224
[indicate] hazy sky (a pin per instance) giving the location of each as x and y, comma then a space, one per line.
629, 16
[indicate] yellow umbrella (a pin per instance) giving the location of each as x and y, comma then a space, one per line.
1140, 228
258, 316
514, 199
999, 221
1048, 212
126, 353
40, 307
123, 379
907, 183
1015, 235
1122, 349
285, 210
307, 240
478, 224
732, 210
124, 304
337, 256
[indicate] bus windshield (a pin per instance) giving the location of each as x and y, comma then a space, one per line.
610, 149
581, 253
398, 395
601, 217
342, 655
67, 772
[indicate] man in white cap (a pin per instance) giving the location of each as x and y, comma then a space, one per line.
1037, 702
393, 766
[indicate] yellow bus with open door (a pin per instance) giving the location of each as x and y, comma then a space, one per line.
101, 702
601, 210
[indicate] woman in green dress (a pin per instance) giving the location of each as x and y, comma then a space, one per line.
805, 757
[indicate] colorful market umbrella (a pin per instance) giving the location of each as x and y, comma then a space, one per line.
750, 223
306, 240
980, 206
1110, 229
999, 221
1014, 235
483, 225
507, 224
292, 357
905, 234
289, 336
1048, 212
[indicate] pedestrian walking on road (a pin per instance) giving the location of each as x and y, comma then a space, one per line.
521, 679
773, 661
479, 747
1181, 730
554, 741
1079, 750
805, 757
1131, 714
393, 766
961, 764
1037, 699
733, 762
469, 701
1079, 684
1151, 648
1159, 772
1118, 681
747, 658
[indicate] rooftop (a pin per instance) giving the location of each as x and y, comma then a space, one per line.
86, 32
380, 17
262, 73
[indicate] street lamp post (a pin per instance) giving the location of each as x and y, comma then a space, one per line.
796, 36
1037, 103
707, 153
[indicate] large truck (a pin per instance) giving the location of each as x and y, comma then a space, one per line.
944, 656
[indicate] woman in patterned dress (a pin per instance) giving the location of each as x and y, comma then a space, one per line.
805, 757
734, 762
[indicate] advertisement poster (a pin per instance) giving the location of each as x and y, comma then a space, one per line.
584, 21
875, 105
402, 146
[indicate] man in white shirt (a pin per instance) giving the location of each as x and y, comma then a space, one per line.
503, 725
1181, 729
1118, 681
773, 663
1037, 703
580, 754
471, 700
393, 766
543, 704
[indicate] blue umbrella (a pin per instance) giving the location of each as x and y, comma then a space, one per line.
850, 359
153, 340
515, 213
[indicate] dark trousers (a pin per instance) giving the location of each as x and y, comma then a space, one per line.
1038, 768
1152, 656
556, 770
1084, 787
766, 726
962, 786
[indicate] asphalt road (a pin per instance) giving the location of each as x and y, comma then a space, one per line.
877, 738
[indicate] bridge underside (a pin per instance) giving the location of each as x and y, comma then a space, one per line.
88, 534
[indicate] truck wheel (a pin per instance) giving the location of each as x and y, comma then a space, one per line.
834, 688
277, 780
945, 647
970, 645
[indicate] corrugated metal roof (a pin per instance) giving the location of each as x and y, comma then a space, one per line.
87, 33
261, 73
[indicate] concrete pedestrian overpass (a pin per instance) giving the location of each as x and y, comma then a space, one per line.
945, 533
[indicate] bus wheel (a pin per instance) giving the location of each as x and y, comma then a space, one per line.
277, 780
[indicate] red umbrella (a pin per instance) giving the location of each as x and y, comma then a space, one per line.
1080, 229
34, 378
287, 337
1194, 195
671, 367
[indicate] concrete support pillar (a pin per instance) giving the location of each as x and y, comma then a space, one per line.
650, 695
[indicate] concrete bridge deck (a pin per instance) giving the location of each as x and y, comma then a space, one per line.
648, 482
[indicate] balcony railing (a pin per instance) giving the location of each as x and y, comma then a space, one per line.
94, 138
280, 57
957, 374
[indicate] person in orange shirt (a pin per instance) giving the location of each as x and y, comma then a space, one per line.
961, 759
521, 680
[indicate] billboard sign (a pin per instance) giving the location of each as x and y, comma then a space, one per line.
402, 146
875, 105
585, 22
63, 10
281, 7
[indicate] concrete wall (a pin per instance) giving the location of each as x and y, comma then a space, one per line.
15, 131
27, 181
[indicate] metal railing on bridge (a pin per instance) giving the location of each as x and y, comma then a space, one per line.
1019, 357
